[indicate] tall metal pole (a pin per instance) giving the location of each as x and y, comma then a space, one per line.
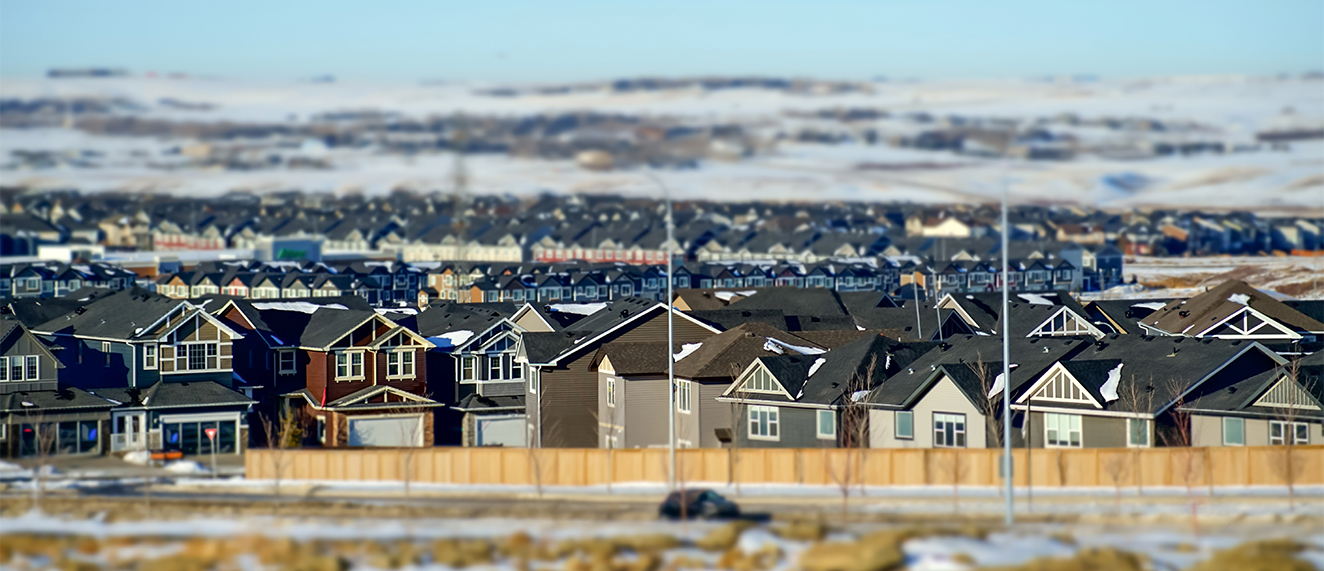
1006, 371
671, 340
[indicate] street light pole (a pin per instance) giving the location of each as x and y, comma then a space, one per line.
1006, 371
671, 343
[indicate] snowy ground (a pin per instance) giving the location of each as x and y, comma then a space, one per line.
1290, 276
1230, 108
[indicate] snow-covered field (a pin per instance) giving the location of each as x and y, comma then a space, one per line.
1230, 109
1290, 276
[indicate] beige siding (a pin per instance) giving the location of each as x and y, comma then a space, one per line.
943, 397
1208, 431
1102, 432
533, 322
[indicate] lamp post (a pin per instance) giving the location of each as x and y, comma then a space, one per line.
671, 333
1006, 371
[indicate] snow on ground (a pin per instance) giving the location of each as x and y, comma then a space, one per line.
1297, 277
1233, 107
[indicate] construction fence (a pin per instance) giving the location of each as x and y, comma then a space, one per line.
1125, 467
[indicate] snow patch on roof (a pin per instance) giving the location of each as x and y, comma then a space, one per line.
685, 351
1240, 298
998, 380
778, 347
1154, 305
577, 308
1109, 388
1035, 299
819, 363
857, 395
404, 310
727, 295
299, 306
452, 339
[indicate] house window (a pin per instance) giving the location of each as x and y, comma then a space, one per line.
105, 350
400, 364
761, 381
1280, 431
1062, 430
611, 392
149, 357
32, 369
287, 365
683, 393
197, 357
905, 425
763, 423
948, 430
467, 368
827, 425
533, 381
1234, 431
1137, 432
349, 365
494, 368
4, 369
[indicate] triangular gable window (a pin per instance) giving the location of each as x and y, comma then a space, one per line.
761, 381
1287, 394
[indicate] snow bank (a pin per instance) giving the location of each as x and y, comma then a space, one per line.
577, 308
299, 306
139, 457
685, 350
185, 467
8, 467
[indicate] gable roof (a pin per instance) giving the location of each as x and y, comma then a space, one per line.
60, 398
1197, 314
169, 394
122, 315
739, 346
1242, 396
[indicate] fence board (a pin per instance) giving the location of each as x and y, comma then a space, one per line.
1178, 467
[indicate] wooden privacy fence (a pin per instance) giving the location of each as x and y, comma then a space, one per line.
1107, 467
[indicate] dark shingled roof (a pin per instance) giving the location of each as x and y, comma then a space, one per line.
730, 318
635, 358
859, 366
169, 394
476, 403
819, 302
116, 316
1239, 396
1208, 308
738, 346
441, 319
61, 398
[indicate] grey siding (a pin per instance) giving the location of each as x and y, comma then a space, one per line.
647, 405
1102, 432
796, 430
711, 414
942, 397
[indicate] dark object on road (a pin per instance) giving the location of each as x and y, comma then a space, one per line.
702, 503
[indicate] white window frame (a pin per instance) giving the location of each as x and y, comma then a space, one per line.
1241, 422
755, 383
1130, 431
533, 380
31, 368
149, 357
611, 392
831, 416
896, 424
350, 373
468, 368
4, 369
292, 357
1053, 422
105, 353
684, 394
182, 356
764, 423
959, 430
403, 362
1282, 427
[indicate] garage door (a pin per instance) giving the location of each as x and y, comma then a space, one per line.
508, 431
386, 431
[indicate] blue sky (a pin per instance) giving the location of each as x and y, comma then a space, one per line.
545, 40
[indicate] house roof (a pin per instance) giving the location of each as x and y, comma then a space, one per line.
820, 302
1240, 396
170, 394
1199, 313
737, 347
61, 398
634, 358
476, 403
122, 315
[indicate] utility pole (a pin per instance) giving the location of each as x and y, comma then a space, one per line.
671, 340
459, 195
1006, 373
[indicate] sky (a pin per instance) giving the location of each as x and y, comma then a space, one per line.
545, 40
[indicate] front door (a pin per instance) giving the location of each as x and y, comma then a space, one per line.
130, 431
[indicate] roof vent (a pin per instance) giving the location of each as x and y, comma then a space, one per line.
625, 313
1045, 348
1184, 313
933, 367
910, 370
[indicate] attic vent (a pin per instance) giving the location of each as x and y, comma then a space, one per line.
749, 334
1184, 313
1045, 348
911, 370
625, 313
933, 367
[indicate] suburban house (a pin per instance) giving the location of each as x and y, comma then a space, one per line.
561, 362
1281, 406
633, 395
357, 377
120, 346
942, 399
1121, 390
1234, 310
805, 397
38, 415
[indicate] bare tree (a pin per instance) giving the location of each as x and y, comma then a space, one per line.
1138, 400
991, 404
840, 472
45, 438
737, 417
1179, 436
282, 434
1116, 465
1287, 415
537, 456
855, 418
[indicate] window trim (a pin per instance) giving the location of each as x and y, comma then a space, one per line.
769, 425
105, 353
349, 365
280, 362
1130, 443
4, 369
684, 396
1282, 438
896, 425
611, 392
1080, 430
960, 437
818, 424
1234, 420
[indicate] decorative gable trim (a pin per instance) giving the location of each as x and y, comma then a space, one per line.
1287, 394
1247, 324
737, 390
1058, 385
1066, 323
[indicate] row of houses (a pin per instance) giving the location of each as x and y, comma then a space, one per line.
616, 229
101, 371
